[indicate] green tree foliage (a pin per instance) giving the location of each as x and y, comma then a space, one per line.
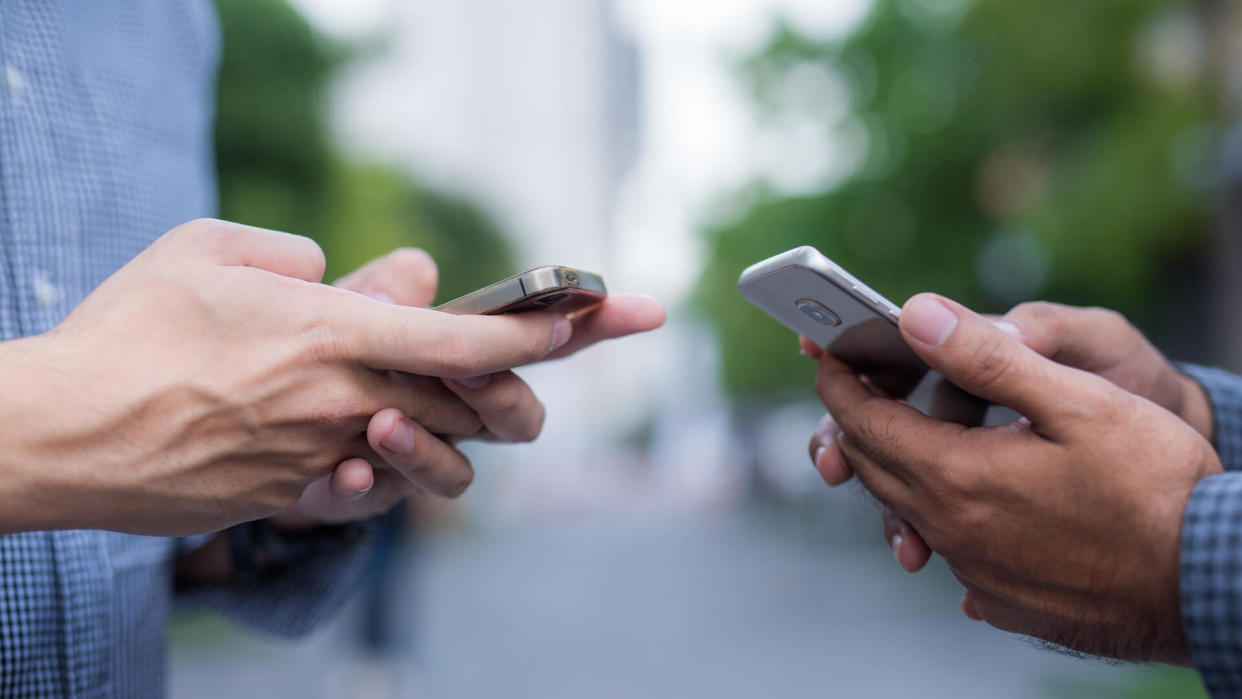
1008, 149
375, 208
278, 167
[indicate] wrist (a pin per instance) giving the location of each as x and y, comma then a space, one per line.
1196, 408
31, 495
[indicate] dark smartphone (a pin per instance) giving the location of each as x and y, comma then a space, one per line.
564, 289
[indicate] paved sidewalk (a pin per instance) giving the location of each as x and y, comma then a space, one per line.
653, 606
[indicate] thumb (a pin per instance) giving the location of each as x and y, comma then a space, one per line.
983, 359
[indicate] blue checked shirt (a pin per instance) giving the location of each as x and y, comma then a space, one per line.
105, 123
1211, 556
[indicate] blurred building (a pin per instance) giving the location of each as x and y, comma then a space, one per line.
531, 106
535, 110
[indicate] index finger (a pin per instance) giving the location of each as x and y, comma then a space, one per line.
900, 438
422, 341
618, 316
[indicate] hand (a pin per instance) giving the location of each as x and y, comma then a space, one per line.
410, 459
1094, 340
209, 381
1104, 343
1102, 475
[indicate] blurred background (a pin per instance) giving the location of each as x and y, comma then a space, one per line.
667, 536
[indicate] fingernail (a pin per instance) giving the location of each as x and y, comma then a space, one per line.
560, 333
360, 494
818, 453
896, 544
381, 297
401, 440
1008, 328
929, 321
474, 383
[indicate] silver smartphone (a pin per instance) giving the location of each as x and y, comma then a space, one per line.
814, 297
563, 289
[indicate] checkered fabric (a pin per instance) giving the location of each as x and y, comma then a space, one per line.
1224, 390
105, 123
1211, 555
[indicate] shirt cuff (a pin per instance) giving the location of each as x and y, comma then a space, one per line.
1224, 391
294, 598
1211, 582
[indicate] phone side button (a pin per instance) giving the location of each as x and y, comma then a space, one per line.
867, 294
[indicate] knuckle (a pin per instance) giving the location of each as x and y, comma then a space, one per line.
537, 346
192, 230
1040, 310
462, 483
1043, 319
413, 262
1107, 319
534, 426
957, 485
320, 343
207, 234
1105, 314
877, 435
1111, 405
454, 357
1091, 405
949, 538
282, 494
969, 514
412, 270
417, 463
339, 415
315, 261
888, 525
471, 424
990, 361
825, 382
508, 400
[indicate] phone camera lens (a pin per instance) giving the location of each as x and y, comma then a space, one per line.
818, 312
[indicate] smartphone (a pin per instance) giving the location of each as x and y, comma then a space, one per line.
813, 296
563, 289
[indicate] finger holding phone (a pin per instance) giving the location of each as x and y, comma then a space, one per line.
1094, 340
403, 456
212, 378
1065, 525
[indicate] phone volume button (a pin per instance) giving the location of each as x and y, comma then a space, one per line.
868, 294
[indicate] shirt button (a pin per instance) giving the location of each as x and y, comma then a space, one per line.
46, 293
14, 80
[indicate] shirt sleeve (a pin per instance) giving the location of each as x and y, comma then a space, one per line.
1211, 582
1224, 391
293, 598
